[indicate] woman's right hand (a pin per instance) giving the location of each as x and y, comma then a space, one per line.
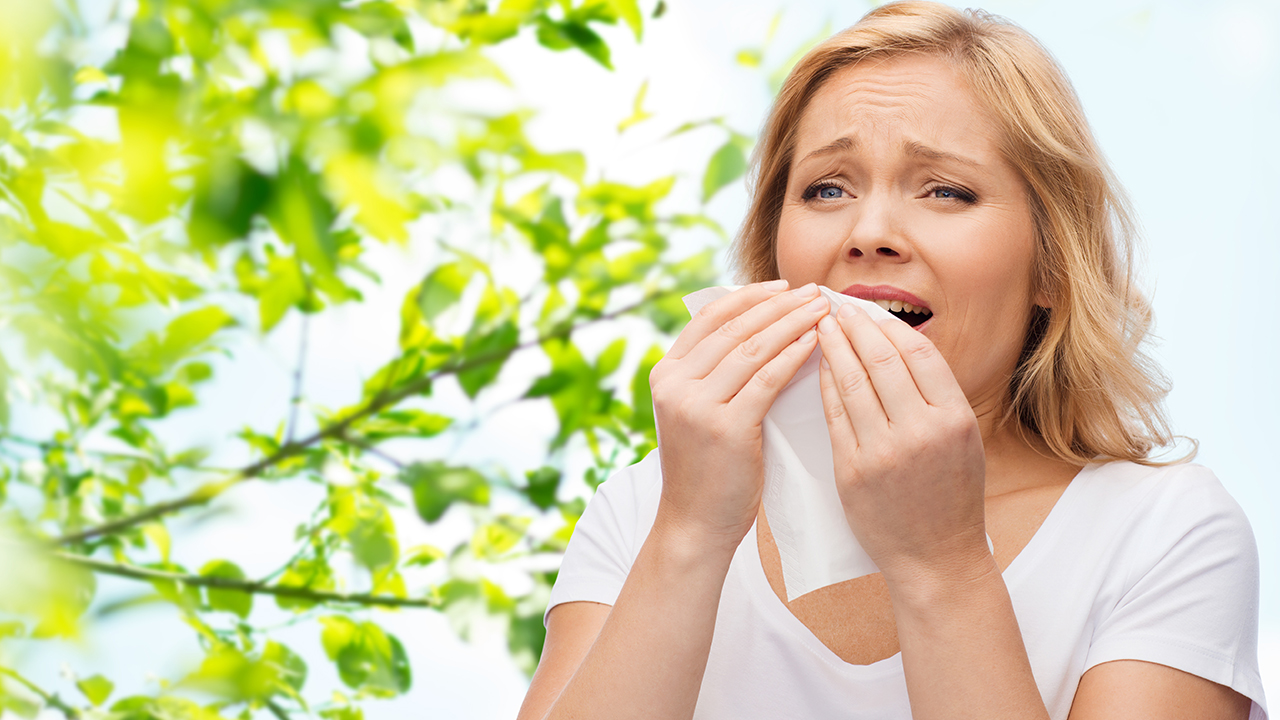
710, 395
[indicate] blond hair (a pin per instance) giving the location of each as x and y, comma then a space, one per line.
1083, 382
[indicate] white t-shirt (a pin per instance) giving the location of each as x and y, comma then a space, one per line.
1138, 563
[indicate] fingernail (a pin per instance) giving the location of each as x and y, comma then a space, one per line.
826, 324
848, 310
818, 304
774, 285
808, 337
806, 290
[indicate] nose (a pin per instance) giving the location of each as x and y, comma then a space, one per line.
876, 234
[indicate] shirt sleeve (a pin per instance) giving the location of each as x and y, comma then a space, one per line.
1191, 601
608, 536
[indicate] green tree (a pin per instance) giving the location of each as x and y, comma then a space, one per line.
231, 166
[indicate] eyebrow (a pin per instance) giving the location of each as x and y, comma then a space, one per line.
913, 148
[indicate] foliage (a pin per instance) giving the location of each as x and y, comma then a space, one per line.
227, 171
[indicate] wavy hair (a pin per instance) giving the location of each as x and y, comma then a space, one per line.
1083, 382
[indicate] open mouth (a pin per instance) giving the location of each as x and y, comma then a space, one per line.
906, 312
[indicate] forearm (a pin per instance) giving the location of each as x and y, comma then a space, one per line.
962, 651
651, 653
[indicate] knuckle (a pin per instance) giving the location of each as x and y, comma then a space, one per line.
880, 358
835, 412
750, 349
921, 350
851, 383
768, 377
733, 327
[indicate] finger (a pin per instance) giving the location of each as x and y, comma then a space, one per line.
757, 395
839, 424
741, 336
932, 374
717, 313
866, 416
749, 357
889, 375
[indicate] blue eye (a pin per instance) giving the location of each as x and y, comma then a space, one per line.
823, 191
950, 193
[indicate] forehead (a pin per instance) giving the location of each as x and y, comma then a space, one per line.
920, 99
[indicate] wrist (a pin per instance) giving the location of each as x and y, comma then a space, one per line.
965, 571
689, 545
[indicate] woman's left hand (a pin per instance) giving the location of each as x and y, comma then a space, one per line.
908, 453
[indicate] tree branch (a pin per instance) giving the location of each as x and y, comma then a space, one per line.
207, 492
248, 586
296, 400
50, 699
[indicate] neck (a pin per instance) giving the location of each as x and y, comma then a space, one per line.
1019, 460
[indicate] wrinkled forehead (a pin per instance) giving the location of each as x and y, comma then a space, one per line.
907, 99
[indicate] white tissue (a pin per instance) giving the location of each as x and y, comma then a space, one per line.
814, 540
805, 515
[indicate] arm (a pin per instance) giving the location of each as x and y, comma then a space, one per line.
1134, 689
645, 657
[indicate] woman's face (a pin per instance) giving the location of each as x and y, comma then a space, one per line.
898, 193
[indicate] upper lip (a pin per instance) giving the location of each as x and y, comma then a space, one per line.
884, 292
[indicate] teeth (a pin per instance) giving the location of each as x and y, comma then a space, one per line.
899, 306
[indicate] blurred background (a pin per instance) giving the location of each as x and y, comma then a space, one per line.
319, 321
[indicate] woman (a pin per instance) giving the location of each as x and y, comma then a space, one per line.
938, 159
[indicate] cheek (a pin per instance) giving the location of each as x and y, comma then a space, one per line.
809, 244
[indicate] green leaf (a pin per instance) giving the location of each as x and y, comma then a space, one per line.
443, 287
96, 688
368, 658
309, 573
638, 113
629, 11
436, 486
404, 423
291, 669
541, 486
226, 599
611, 357
423, 555
366, 526
228, 194
302, 215
494, 539
188, 333
555, 35
641, 394
493, 348
283, 288
727, 164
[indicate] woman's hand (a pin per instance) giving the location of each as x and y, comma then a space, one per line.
908, 453
710, 395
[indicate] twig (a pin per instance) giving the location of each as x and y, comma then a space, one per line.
207, 492
248, 586
50, 699
279, 712
296, 400
373, 450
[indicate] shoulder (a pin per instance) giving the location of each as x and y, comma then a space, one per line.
608, 536
1165, 502
628, 500
1180, 584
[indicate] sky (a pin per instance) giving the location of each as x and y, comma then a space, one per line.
1183, 96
